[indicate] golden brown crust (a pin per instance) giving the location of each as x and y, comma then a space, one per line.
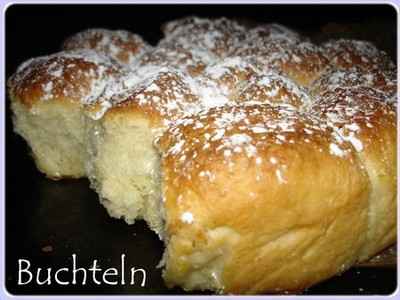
121, 45
78, 76
363, 117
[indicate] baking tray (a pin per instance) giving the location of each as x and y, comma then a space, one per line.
47, 221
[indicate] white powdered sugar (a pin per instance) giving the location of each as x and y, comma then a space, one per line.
187, 217
88, 74
226, 96
336, 150
274, 89
121, 45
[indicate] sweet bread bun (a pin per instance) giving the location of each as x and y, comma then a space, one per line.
121, 45
47, 97
362, 117
218, 36
123, 164
303, 62
258, 199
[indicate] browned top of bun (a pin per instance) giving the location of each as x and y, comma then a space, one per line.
216, 35
301, 61
334, 78
232, 131
360, 116
274, 89
121, 45
230, 74
163, 96
345, 54
79, 76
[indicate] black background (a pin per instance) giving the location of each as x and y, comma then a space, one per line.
66, 214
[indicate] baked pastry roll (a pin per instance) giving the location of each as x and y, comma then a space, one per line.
48, 95
362, 117
259, 199
123, 166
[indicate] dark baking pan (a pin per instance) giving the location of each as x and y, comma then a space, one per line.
48, 221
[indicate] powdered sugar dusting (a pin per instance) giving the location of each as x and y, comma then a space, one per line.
216, 35
121, 45
187, 217
80, 75
346, 54
274, 89
228, 133
385, 82
301, 61
352, 111
336, 150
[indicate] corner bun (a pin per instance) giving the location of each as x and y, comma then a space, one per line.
345, 54
356, 109
121, 45
78, 76
362, 117
249, 206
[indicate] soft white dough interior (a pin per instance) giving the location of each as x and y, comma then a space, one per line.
54, 131
124, 169
203, 267
381, 229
